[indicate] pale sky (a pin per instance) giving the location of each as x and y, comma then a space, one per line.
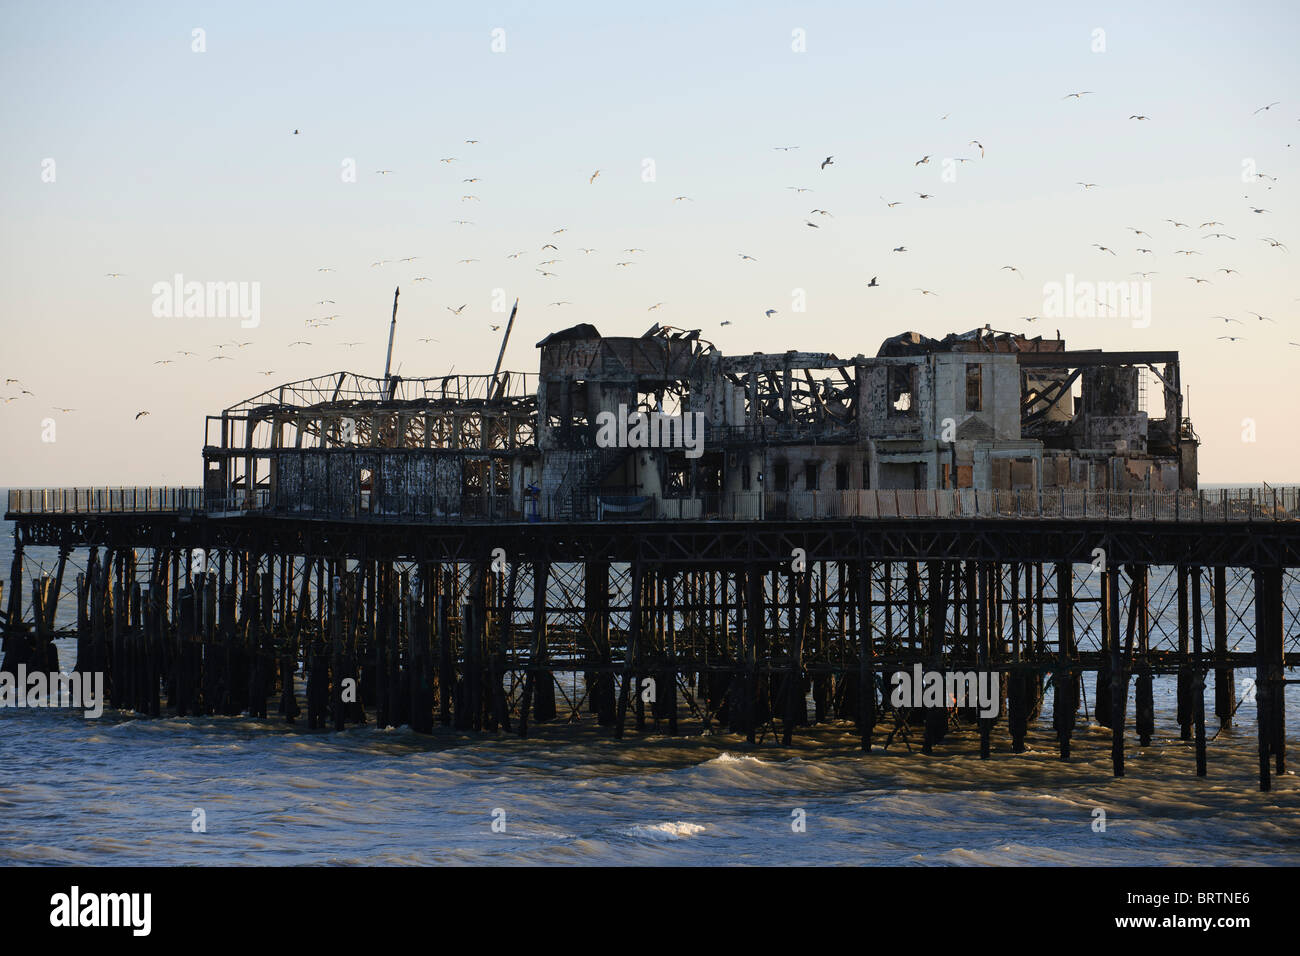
167, 161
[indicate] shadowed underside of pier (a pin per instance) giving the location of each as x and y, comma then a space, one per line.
758, 628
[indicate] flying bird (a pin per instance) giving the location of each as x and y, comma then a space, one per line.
1263, 108
873, 284
750, 258
1077, 95
975, 142
828, 161
770, 312
140, 415
922, 161
1136, 117
456, 311
593, 177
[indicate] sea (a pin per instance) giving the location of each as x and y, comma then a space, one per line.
122, 790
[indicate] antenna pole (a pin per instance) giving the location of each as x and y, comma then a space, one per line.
500, 355
392, 330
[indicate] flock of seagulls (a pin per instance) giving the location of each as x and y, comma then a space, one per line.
548, 267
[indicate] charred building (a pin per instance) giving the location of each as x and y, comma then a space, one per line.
792, 433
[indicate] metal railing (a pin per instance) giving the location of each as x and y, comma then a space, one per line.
34, 501
1237, 504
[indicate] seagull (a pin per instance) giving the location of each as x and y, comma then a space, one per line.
462, 222
560, 230
1015, 270
624, 263
183, 352
1228, 271
593, 177
1186, 252
295, 132
1144, 274
975, 142
326, 302
728, 321
925, 292
456, 311
1273, 243
113, 275
1087, 185
680, 198
516, 255
873, 284
655, 306
382, 172
472, 179
813, 224
564, 302
550, 246
1219, 235
1198, 281
1210, 225
799, 189
1233, 338
828, 161
750, 258
472, 142
324, 270
770, 312
164, 362
1138, 232
65, 410
1077, 95
496, 328
901, 249
299, 342
925, 195
218, 358
13, 381
634, 250
1104, 248
548, 274
466, 260
586, 252
1262, 318
428, 340
421, 279
1226, 319
270, 372
1146, 250
140, 415
889, 204
1253, 209
1136, 117
922, 161
1262, 108
448, 159
550, 262
820, 212
349, 345
785, 148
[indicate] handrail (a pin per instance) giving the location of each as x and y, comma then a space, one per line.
1225, 505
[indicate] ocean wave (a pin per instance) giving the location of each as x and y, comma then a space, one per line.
660, 832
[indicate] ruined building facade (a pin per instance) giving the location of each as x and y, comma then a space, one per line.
743, 436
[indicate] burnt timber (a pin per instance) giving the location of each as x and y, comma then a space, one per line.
463, 553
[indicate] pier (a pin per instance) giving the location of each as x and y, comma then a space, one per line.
461, 552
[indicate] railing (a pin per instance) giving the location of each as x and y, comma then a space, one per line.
34, 501
1226, 505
